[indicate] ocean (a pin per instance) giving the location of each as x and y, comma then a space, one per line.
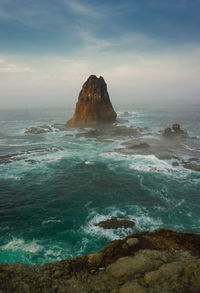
56, 186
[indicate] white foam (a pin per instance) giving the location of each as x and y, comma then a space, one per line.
20, 244
188, 147
55, 252
111, 234
84, 243
180, 203
150, 163
89, 163
13, 177
51, 221
141, 163
3, 141
145, 222
132, 114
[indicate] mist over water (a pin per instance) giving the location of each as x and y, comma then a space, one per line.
57, 186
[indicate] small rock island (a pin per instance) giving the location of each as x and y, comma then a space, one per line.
94, 106
175, 132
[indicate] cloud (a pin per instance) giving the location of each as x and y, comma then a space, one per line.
7, 67
132, 77
175, 4
32, 14
83, 9
133, 41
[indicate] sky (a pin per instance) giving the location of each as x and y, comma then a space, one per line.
148, 51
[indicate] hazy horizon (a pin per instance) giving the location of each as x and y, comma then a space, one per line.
147, 52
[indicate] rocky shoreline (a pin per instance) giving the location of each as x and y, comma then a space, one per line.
143, 262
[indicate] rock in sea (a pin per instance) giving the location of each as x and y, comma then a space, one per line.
175, 132
93, 106
38, 129
115, 223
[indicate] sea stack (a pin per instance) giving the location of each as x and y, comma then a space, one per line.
93, 106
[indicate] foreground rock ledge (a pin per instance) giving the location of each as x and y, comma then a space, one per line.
144, 262
93, 106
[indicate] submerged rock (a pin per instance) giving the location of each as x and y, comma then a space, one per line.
144, 262
193, 167
38, 129
115, 223
93, 106
23, 155
175, 164
136, 145
126, 114
60, 127
109, 132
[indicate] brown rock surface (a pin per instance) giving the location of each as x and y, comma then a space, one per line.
161, 261
93, 106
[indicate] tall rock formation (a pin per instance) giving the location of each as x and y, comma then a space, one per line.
93, 106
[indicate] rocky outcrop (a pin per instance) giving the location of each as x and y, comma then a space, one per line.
144, 262
93, 106
176, 131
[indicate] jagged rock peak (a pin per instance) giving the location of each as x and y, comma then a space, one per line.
93, 106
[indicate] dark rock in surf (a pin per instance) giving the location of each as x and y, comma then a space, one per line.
126, 114
60, 127
175, 164
193, 167
136, 145
38, 129
115, 223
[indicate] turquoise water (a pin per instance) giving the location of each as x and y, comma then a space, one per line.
57, 187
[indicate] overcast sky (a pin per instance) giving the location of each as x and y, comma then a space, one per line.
148, 51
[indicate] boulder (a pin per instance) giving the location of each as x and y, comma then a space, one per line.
143, 261
132, 287
132, 242
165, 272
93, 106
94, 259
